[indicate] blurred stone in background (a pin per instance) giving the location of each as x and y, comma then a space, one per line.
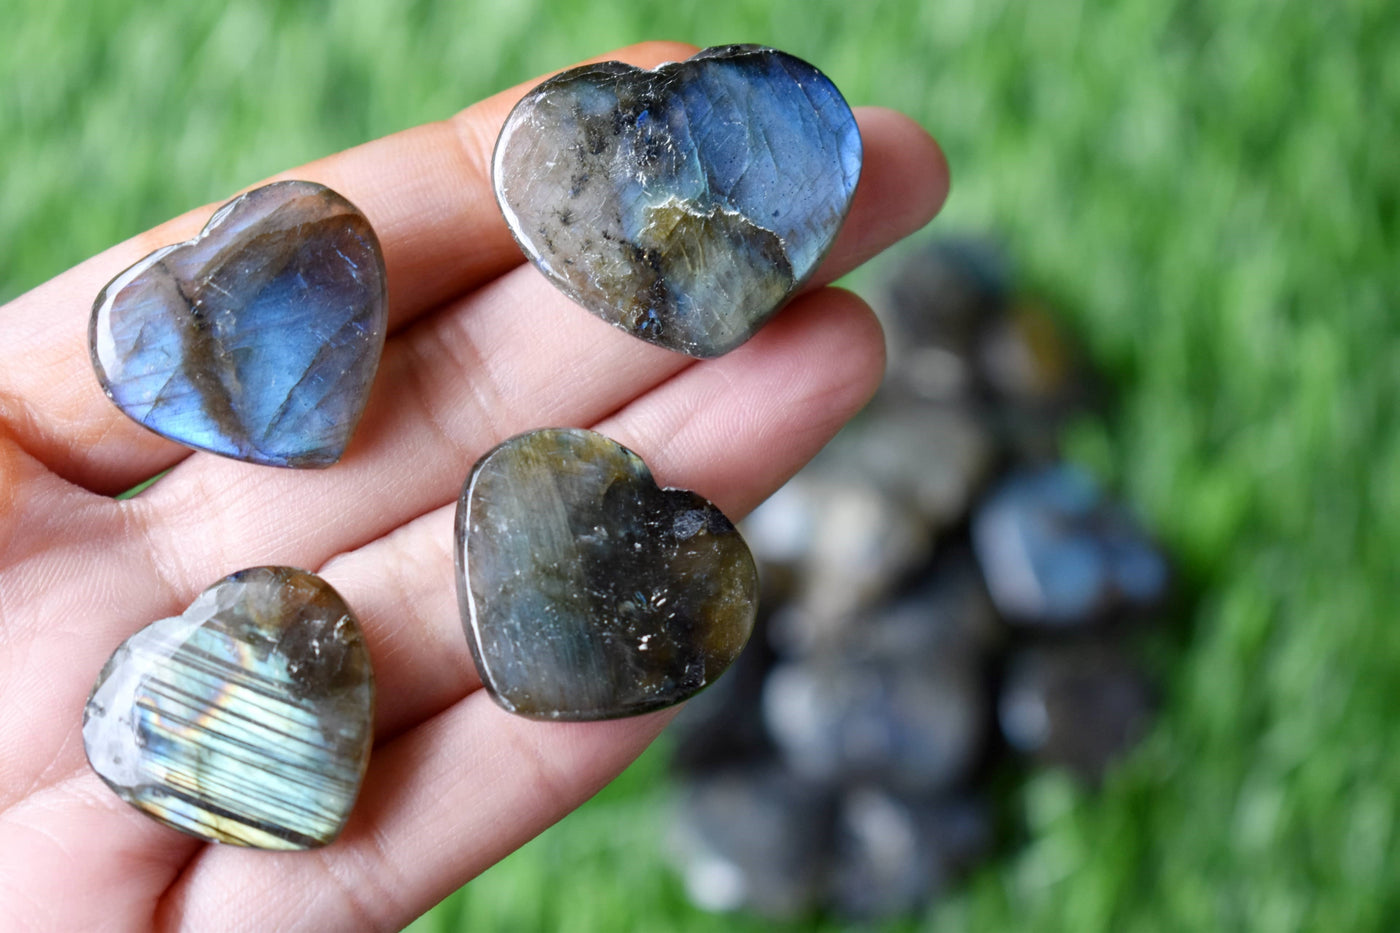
1056, 553
1076, 706
939, 304
893, 852
846, 544
931, 459
756, 839
913, 723
943, 601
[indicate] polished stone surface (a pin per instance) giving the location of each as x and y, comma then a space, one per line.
246, 720
685, 204
719, 728
259, 338
588, 592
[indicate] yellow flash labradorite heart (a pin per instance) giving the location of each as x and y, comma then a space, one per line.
247, 719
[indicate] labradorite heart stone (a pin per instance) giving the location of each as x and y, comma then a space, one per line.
248, 719
257, 339
587, 591
685, 204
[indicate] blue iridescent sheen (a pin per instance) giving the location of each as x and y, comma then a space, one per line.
1057, 552
257, 339
685, 204
246, 720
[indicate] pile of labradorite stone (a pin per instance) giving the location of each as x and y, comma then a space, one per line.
947, 605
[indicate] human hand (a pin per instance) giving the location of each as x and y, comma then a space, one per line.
481, 347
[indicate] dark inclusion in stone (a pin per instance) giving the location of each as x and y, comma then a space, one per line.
685, 204
587, 591
257, 339
246, 720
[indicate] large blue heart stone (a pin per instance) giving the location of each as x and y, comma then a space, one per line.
685, 204
588, 592
248, 719
257, 339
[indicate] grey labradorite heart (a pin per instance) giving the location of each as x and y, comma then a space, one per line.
587, 591
248, 719
684, 205
257, 339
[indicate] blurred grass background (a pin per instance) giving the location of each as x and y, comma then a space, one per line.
1209, 192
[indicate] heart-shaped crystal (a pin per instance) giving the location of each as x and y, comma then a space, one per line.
587, 591
685, 204
247, 719
257, 339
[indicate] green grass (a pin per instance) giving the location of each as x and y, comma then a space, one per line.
1208, 190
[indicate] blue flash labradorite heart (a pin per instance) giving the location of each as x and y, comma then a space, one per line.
685, 204
587, 591
257, 339
245, 720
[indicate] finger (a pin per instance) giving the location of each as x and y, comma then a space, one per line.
732, 429
78, 829
66, 572
903, 184
452, 795
46, 529
427, 192
552, 365
441, 804
808, 371
527, 356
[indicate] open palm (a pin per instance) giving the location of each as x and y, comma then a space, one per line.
481, 347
